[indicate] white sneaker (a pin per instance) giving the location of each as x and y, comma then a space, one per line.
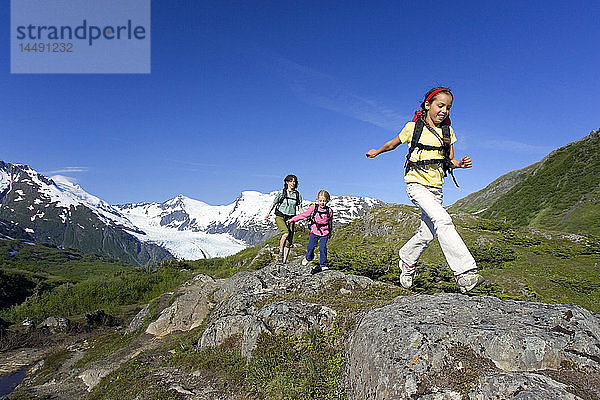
469, 280
406, 276
324, 268
305, 261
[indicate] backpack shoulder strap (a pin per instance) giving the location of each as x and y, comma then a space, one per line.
315, 208
446, 134
414, 141
281, 198
447, 162
416, 136
446, 140
446, 130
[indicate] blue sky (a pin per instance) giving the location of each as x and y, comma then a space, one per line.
243, 93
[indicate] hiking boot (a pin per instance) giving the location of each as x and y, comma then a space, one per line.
305, 261
318, 269
406, 276
469, 280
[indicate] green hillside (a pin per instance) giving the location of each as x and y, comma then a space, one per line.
561, 192
41, 280
518, 262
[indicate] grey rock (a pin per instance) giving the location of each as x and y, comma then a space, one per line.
291, 317
137, 321
442, 395
28, 324
516, 386
238, 299
100, 317
14, 360
92, 377
223, 328
56, 324
395, 349
192, 304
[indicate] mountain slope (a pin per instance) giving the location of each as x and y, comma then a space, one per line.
57, 211
561, 192
61, 213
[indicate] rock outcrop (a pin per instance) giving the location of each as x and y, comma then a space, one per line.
442, 346
234, 305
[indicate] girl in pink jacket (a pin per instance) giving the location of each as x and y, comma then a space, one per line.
321, 226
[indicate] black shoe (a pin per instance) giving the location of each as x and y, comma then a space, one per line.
316, 270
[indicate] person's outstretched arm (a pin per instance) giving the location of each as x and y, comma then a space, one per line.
302, 215
391, 145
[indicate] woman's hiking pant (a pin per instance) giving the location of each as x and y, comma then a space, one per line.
313, 240
435, 220
285, 228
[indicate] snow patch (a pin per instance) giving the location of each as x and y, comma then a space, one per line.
5, 181
190, 245
39, 214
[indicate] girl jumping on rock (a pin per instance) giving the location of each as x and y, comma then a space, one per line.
430, 157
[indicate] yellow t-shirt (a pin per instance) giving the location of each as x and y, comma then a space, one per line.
428, 175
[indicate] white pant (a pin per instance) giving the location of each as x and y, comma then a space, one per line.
435, 220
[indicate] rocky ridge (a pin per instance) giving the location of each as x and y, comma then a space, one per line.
443, 346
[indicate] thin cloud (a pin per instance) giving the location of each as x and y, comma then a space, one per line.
265, 176
192, 164
321, 90
67, 170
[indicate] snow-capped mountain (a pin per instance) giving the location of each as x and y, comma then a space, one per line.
58, 211
185, 226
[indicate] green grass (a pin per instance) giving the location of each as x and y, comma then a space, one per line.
111, 293
50, 261
289, 367
28, 269
133, 379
